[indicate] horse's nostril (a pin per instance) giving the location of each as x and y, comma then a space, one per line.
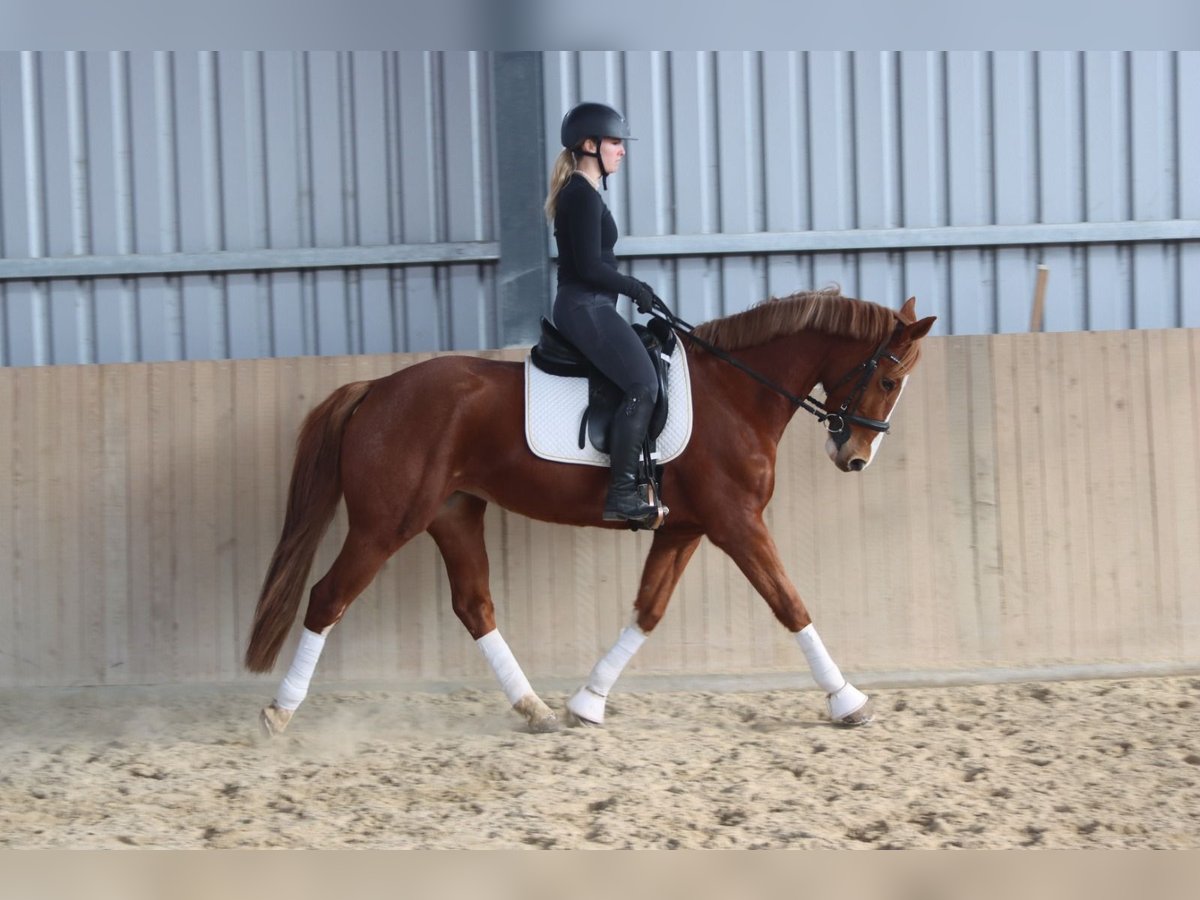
858, 464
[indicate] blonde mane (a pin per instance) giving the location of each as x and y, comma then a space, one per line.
825, 311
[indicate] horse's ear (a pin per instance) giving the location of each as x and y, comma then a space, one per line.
918, 330
908, 312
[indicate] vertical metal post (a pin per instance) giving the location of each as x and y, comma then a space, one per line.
1037, 316
519, 122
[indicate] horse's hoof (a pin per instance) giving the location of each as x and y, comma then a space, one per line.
538, 715
587, 707
849, 706
274, 720
860, 716
576, 721
546, 725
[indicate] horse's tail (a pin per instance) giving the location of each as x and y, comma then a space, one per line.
312, 500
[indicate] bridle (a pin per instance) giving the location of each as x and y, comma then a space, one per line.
847, 412
837, 421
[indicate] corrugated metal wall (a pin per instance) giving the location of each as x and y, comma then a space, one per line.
948, 175
210, 205
240, 182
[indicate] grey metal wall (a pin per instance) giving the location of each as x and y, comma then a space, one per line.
208, 205
158, 206
948, 175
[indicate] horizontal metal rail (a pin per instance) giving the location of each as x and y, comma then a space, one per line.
248, 260
897, 239
667, 245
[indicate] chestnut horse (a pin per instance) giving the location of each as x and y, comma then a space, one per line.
406, 461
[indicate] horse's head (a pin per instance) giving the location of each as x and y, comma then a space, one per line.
861, 393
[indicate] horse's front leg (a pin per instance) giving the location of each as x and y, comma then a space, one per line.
668, 557
458, 532
750, 545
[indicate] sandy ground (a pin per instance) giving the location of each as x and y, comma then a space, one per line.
1063, 764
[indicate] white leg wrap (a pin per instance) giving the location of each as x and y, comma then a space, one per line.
843, 697
824, 670
608, 669
294, 687
508, 672
589, 701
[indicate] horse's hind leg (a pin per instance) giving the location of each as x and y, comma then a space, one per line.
458, 531
361, 557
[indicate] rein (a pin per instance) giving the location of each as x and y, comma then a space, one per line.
835, 422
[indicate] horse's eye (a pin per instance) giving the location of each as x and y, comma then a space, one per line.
887, 384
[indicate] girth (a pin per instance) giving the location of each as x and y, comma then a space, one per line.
556, 355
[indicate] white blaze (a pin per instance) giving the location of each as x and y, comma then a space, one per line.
879, 435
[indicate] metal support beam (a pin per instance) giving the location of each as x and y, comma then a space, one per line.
246, 261
523, 281
907, 238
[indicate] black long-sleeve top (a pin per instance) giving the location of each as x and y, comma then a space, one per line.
586, 233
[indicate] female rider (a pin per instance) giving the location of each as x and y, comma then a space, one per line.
585, 306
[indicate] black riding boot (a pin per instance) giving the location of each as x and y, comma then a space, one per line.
625, 446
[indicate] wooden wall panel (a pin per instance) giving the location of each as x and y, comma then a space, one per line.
1037, 504
9, 482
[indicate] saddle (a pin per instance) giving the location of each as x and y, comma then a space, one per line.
556, 355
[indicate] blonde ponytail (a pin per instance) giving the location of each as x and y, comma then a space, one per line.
564, 166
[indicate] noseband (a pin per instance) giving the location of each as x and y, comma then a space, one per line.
837, 422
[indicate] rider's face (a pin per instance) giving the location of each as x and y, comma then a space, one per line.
612, 151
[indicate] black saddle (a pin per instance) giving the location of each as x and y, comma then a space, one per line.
558, 356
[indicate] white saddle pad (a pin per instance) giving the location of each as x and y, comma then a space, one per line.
554, 409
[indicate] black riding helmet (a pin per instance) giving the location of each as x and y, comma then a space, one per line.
595, 121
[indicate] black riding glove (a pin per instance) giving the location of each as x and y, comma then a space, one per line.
643, 295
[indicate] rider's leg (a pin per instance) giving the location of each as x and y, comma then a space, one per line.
592, 323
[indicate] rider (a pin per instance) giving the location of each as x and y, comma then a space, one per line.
585, 307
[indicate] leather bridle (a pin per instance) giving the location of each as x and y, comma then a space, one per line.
837, 421
847, 414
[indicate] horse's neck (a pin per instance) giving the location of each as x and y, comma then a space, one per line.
792, 362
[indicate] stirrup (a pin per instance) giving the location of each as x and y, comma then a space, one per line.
655, 515
661, 509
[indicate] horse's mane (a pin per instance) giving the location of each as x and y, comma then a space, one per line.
826, 311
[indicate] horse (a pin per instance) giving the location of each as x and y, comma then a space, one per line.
405, 463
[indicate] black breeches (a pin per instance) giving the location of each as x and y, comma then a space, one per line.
591, 322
